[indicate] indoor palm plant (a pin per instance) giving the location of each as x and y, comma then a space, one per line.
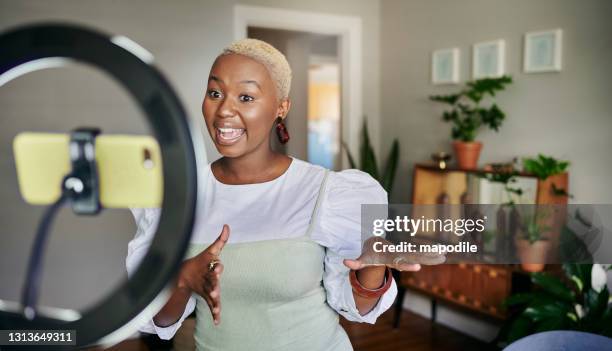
368, 161
467, 116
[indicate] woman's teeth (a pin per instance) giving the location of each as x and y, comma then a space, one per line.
230, 134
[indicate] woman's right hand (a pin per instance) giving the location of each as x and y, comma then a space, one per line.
196, 276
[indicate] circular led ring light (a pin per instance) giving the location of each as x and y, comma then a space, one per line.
31, 48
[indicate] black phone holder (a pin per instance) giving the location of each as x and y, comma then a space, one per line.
81, 188
82, 184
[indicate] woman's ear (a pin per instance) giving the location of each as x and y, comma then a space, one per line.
283, 108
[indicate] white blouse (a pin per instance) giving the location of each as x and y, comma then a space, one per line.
277, 209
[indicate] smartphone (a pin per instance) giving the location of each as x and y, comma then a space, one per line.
129, 168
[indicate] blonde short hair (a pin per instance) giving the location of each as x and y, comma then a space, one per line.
266, 54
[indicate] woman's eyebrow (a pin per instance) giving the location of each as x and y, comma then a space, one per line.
215, 78
251, 82
248, 81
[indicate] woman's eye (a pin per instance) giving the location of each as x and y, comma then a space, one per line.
246, 98
214, 94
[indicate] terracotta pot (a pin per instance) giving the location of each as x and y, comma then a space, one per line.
532, 256
467, 153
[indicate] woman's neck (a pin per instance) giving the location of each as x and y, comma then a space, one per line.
250, 168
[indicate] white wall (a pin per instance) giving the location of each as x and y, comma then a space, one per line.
472, 325
566, 114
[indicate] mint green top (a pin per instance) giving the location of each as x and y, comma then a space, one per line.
272, 298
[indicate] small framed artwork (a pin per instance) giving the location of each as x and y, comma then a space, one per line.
488, 59
542, 51
445, 66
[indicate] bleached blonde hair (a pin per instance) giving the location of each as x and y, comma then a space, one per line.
266, 54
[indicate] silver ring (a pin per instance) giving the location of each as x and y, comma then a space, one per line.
212, 264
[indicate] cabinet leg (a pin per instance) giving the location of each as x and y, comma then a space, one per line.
434, 310
399, 302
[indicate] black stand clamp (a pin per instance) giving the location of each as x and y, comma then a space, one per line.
82, 183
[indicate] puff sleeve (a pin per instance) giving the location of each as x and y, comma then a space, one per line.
147, 220
339, 229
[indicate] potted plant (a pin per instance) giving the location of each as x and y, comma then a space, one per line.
546, 168
531, 239
506, 175
579, 300
468, 116
368, 161
552, 190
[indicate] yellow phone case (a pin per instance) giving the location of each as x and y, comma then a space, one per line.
129, 168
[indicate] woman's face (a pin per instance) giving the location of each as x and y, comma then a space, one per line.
240, 105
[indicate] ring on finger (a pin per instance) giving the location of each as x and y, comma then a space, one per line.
398, 261
212, 264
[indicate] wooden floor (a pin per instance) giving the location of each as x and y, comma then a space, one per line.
414, 334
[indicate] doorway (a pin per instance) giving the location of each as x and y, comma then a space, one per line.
314, 121
329, 46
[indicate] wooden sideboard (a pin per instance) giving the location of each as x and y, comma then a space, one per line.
475, 288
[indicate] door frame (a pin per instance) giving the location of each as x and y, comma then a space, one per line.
348, 30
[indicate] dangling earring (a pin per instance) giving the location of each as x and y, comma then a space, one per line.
281, 131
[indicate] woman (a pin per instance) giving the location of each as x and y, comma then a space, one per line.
277, 275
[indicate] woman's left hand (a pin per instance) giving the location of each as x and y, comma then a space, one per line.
370, 268
401, 261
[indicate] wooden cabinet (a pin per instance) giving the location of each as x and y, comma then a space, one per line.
476, 288
481, 288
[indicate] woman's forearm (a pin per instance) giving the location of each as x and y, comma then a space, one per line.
371, 278
174, 308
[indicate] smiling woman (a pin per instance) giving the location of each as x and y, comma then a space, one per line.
251, 81
282, 278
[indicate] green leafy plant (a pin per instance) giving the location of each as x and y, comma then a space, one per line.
544, 166
368, 161
570, 302
466, 113
506, 178
560, 191
532, 227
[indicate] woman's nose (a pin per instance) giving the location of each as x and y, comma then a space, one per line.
227, 108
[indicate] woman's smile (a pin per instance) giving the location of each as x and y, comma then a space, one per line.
228, 136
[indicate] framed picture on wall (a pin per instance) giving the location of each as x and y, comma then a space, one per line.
542, 51
445, 66
488, 59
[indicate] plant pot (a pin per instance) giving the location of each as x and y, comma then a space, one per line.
532, 255
467, 153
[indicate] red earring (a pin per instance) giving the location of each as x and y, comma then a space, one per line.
281, 131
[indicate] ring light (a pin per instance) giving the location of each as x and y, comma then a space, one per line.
31, 48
